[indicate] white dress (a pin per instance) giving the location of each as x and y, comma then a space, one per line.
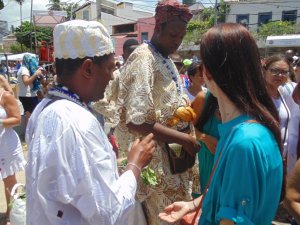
11, 153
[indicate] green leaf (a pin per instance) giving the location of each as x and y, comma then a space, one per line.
149, 177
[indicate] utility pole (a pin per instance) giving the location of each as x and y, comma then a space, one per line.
98, 5
216, 12
31, 25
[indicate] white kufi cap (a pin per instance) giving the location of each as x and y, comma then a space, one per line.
80, 39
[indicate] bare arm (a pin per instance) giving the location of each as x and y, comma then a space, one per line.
4, 83
13, 112
210, 141
292, 199
198, 104
168, 135
28, 80
226, 222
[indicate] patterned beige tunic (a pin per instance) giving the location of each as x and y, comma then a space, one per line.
148, 94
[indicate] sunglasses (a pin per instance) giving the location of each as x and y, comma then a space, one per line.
277, 72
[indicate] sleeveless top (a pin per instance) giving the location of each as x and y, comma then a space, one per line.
11, 154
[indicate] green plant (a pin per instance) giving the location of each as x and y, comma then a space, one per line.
17, 48
148, 176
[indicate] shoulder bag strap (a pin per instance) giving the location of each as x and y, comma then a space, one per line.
212, 173
288, 117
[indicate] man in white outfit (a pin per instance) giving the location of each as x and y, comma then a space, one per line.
72, 176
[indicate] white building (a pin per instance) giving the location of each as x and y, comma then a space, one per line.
111, 13
254, 13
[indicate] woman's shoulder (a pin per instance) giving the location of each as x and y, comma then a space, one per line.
249, 135
6, 97
23, 71
199, 98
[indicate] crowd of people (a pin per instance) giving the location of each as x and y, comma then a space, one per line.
217, 136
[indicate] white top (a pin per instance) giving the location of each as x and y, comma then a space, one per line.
72, 173
284, 117
24, 91
293, 129
11, 152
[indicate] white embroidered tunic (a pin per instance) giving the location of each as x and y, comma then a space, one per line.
72, 176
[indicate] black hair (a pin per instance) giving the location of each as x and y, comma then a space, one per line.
192, 69
128, 43
65, 68
209, 108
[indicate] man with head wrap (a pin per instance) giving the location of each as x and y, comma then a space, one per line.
150, 92
71, 176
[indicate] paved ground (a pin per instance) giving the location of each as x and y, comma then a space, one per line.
21, 179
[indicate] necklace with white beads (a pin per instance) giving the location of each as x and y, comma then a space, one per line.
64, 93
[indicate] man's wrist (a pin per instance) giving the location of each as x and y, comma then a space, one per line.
135, 166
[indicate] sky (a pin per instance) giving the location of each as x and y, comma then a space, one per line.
11, 11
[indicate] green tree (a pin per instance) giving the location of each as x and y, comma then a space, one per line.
274, 28
55, 5
200, 24
1, 4
23, 34
69, 8
18, 48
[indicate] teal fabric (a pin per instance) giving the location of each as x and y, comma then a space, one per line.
205, 157
31, 62
247, 183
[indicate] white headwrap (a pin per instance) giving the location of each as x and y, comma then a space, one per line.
80, 39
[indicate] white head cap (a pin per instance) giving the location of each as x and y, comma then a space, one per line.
80, 39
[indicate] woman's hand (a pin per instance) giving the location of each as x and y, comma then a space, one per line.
176, 211
209, 141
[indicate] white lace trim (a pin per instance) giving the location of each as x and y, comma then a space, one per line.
17, 165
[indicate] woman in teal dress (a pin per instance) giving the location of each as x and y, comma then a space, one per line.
247, 180
207, 134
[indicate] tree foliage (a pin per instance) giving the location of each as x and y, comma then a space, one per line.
274, 28
1, 4
56, 5
200, 24
69, 8
23, 34
62, 6
18, 48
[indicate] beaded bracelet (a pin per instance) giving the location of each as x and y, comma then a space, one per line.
134, 165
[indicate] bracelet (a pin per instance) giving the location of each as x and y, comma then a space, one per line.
134, 165
1, 122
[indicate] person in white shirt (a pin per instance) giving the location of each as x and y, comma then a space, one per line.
28, 80
72, 173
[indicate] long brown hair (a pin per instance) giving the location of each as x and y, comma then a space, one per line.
230, 54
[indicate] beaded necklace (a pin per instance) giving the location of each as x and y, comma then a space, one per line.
64, 93
167, 62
